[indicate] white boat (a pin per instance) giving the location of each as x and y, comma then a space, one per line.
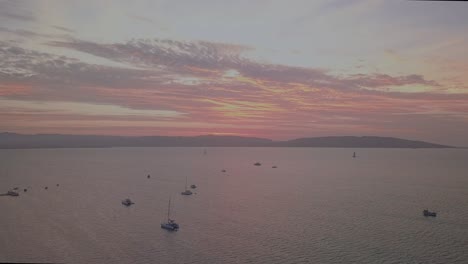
170, 225
187, 191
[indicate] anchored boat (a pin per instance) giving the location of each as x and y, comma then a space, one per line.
127, 202
12, 193
429, 213
187, 191
171, 224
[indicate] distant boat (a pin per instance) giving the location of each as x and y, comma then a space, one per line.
46, 187
170, 225
193, 186
274, 167
187, 191
223, 170
25, 190
354, 154
149, 176
127, 202
257, 164
58, 185
429, 213
12, 193
16, 188
204, 152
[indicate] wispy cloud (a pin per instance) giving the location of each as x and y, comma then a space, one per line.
31, 34
64, 29
213, 59
13, 10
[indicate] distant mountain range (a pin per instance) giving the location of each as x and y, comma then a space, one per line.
18, 141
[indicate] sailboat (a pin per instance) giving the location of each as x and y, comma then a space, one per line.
170, 225
354, 154
187, 191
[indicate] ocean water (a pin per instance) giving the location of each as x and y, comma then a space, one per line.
319, 206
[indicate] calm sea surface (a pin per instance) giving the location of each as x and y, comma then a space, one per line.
319, 206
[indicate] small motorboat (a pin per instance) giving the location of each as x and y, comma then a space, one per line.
429, 213
193, 186
257, 164
127, 202
274, 167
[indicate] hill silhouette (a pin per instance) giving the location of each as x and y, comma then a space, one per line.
14, 141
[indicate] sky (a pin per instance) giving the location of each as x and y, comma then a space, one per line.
273, 69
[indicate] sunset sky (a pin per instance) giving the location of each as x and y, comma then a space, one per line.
274, 69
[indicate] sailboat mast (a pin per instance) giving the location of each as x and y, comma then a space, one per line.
169, 209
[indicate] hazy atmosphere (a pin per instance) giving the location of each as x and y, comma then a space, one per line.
271, 69
331, 131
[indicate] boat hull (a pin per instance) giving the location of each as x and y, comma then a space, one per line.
170, 227
11, 193
429, 214
127, 202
